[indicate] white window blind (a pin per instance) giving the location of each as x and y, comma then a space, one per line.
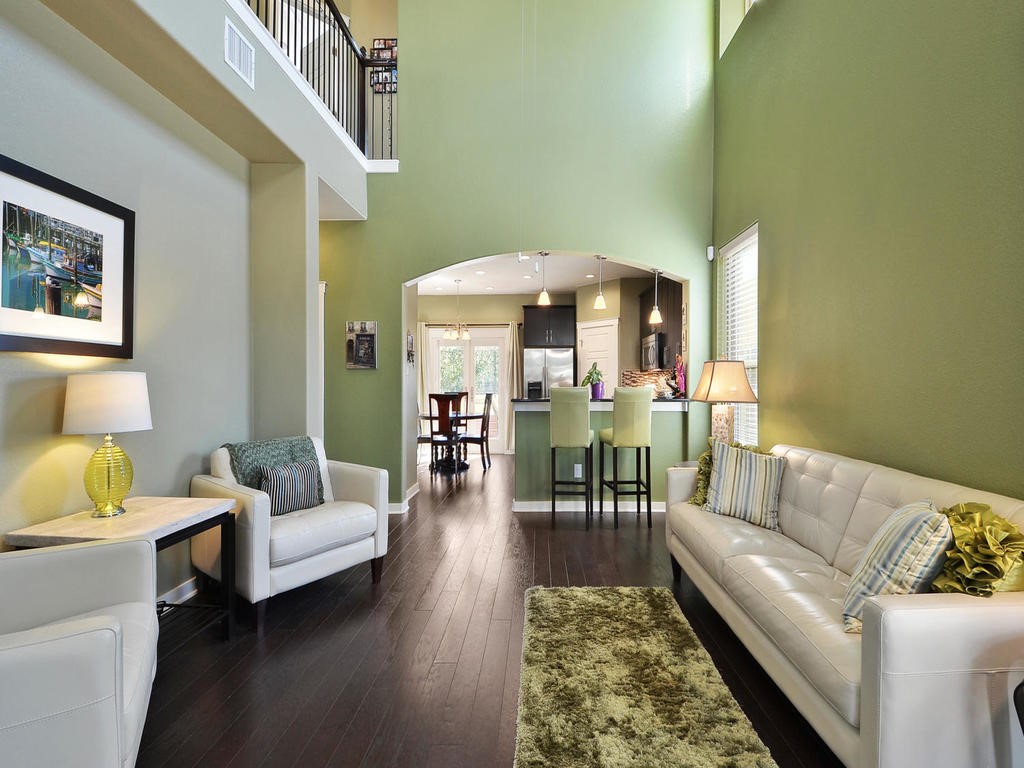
738, 321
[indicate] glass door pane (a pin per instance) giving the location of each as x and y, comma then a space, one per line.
451, 367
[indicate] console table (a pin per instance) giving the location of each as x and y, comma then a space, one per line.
163, 520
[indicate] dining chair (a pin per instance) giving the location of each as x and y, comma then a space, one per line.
482, 439
443, 435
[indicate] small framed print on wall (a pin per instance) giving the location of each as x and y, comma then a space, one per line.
361, 344
67, 270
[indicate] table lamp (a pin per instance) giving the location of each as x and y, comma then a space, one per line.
723, 382
99, 404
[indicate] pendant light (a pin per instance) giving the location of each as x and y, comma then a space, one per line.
543, 300
461, 331
599, 300
655, 318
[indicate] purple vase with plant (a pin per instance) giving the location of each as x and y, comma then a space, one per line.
593, 379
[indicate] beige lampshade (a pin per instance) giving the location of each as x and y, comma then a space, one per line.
723, 381
106, 402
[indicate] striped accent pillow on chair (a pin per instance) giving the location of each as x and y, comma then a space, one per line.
902, 558
293, 486
745, 484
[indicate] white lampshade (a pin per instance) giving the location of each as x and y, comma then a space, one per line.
599, 302
106, 402
723, 381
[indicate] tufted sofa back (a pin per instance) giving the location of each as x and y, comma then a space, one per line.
833, 504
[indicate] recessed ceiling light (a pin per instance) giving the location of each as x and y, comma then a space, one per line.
480, 272
527, 277
490, 287
588, 276
439, 288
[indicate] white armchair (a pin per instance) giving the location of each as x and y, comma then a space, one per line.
275, 554
78, 638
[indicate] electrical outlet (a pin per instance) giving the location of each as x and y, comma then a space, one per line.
577, 471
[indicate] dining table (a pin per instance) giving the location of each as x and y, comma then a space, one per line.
451, 462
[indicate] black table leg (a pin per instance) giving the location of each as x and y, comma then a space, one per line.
227, 572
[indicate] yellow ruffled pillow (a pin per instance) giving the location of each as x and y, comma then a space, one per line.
987, 554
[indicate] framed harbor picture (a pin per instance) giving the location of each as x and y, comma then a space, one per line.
361, 344
67, 268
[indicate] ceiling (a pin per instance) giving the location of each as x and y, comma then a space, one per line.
563, 272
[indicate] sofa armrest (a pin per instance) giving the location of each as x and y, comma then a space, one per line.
356, 482
938, 673
38, 586
680, 483
62, 699
252, 536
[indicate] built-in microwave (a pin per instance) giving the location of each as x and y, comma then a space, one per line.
650, 351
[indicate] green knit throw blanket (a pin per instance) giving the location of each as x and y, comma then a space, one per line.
248, 459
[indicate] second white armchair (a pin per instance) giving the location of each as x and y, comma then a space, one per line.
276, 553
78, 642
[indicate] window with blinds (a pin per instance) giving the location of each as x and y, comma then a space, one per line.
737, 336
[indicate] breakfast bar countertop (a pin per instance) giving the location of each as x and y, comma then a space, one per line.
658, 404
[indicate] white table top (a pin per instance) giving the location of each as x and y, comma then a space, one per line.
146, 517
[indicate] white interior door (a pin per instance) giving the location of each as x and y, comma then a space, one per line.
478, 366
597, 341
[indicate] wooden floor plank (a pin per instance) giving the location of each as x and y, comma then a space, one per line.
423, 669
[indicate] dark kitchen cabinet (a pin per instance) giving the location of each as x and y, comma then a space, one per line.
553, 326
670, 302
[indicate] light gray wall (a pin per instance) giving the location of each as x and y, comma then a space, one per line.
72, 111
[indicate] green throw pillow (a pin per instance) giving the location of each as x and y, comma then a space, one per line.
987, 553
704, 466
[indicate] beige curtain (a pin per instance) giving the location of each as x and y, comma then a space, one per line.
513, 385
422, 355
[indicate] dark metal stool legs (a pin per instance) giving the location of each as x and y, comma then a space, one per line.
638, 487
568, 487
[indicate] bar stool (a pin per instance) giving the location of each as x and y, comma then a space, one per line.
631, 428
570, 428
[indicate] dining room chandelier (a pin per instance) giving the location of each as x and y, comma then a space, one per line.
455, 331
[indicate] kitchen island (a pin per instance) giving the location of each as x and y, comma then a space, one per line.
533, 453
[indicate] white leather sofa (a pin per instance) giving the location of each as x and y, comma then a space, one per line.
78, 637
930, 681
275, 554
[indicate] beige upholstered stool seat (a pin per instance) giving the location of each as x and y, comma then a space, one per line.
570, 429
631, 428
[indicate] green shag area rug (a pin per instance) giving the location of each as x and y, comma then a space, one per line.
615, 677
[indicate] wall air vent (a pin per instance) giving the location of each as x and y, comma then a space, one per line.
239, 53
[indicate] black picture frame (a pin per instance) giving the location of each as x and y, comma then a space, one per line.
67, 250
361, 344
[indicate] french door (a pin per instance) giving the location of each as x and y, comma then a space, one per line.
478, 366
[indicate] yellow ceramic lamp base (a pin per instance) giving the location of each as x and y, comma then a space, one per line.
108, 478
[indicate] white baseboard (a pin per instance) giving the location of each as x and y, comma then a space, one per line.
565, 505
180, 593
401, 507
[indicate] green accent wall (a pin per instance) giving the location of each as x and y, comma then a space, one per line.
879, 146
598, 140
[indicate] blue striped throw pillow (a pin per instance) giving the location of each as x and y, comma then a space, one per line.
745, 484
293, 486
902, 558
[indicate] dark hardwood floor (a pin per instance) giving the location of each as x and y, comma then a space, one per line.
423, 668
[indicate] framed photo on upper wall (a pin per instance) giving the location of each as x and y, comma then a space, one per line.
67, 268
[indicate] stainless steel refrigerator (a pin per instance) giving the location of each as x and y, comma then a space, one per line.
544, 368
